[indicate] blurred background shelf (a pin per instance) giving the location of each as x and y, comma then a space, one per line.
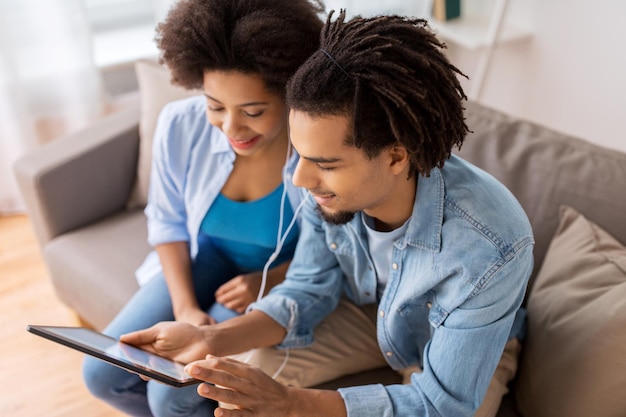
472, 32
481, 27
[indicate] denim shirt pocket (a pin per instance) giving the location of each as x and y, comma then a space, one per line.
353, 261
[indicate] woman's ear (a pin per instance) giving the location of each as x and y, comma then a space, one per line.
398, 159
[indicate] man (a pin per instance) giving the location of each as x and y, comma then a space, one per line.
406, 255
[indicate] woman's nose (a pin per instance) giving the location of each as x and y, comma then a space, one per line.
231, 126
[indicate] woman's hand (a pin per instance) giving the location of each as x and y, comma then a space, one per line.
238, 293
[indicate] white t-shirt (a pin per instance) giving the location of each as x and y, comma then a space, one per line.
381, 249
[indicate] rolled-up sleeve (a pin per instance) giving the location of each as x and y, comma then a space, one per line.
367, 400
312, 287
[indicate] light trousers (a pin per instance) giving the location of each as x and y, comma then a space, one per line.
345, 343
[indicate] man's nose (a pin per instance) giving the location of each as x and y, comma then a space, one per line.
303, 176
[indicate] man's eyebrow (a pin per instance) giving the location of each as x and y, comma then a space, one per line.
321, 160
252, 103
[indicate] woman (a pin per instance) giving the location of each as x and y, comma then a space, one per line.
221, 204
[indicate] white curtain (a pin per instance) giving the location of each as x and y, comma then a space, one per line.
48, 83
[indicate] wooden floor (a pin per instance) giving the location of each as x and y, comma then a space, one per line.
37, 377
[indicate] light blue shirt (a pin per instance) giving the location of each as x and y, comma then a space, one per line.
458, 279
191, 161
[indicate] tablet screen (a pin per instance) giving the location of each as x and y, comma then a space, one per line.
117, 353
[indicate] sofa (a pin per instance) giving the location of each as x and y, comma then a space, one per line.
85, 194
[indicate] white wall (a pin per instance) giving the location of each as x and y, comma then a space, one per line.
570, 75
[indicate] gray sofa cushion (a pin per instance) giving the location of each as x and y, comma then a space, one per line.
546, 169
93, 268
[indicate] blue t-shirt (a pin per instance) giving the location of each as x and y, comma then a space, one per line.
247, 232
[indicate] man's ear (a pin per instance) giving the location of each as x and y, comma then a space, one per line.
398, 159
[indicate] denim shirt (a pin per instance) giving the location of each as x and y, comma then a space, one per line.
191, 161
458, 279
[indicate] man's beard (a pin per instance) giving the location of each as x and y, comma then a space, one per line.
338, 218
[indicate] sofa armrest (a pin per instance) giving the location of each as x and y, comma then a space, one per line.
82, 177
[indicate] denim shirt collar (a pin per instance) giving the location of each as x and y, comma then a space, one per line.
429, 200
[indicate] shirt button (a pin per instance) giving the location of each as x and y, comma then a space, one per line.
389, 354
381, 313
394, 266
367, 293
333, 246
429, 304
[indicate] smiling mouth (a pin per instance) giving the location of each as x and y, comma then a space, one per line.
244, 144
243, 141
323, 200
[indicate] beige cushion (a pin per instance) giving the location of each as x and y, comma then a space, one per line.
574, 358
155, 91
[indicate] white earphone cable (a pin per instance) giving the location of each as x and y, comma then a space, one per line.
280, 240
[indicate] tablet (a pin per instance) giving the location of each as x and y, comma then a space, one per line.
117, 353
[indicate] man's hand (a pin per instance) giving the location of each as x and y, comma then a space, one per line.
253, 393
248, 389
186, 343
194, 316
181, 342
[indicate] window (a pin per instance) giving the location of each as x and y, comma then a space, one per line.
123, 30
106, 15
